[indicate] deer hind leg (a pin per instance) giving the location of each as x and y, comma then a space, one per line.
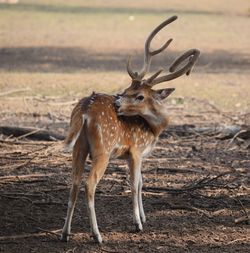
80, 152
136, 183
99, 165
141, 209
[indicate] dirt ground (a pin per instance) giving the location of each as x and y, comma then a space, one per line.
196, 185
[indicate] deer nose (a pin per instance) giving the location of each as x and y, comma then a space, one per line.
118, 103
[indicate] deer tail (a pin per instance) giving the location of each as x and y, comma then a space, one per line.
76, 126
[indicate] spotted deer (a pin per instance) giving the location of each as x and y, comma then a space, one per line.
123, 126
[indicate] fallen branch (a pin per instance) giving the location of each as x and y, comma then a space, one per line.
173, 170
188, 208
163, 189
13, 197
246, 217
20, 177
107, 250
243, 219
19, 166
22, 236
32, 133
242, 240
202, 183
206, 181
240, 137
222, 132
53, 232
21, 194
29, 143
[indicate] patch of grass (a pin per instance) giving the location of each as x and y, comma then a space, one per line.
64, 85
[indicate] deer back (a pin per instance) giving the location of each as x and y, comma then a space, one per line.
105, 130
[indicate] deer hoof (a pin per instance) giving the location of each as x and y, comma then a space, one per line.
64, 238
138, 228
97, 238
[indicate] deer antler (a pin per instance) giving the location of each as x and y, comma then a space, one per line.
192, 56
147, 53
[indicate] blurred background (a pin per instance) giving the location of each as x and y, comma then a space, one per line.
54, 52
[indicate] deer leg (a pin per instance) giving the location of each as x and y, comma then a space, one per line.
141, 209
135, 175
98, 168
80, 152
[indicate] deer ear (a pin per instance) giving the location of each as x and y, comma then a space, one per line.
162, 94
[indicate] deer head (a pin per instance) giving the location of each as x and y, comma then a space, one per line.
139, 98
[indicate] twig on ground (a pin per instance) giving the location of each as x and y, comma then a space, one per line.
206, 181
245, 133
33, 133
31, 143
28, 134
245, 239
53, 232
202, 183
20, 194
174, 170
22, 236
20, 177
71, 250
57, 189
192, 208
12, 197
242, 220
19, 166
109, 250
47, 203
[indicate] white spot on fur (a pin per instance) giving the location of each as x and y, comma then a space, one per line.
99, 130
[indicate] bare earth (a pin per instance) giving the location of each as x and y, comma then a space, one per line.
196, 186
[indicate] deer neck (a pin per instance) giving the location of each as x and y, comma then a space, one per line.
157, 119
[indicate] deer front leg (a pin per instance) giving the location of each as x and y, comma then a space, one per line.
80, 152
135, 177
96, 173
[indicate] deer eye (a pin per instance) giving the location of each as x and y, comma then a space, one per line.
140, 98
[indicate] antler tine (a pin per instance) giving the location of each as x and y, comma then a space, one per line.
149, 80
147, 53
132, 74
193, 55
